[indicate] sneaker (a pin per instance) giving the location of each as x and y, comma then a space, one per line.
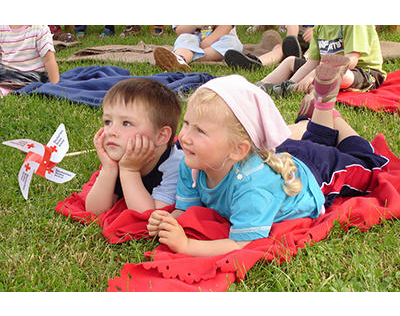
291, 47
236, 59
169, 61
106, 33
131, 30
277, 89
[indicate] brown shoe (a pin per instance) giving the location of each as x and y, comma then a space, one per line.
169, 61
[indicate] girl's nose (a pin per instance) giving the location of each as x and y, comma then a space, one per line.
184, 136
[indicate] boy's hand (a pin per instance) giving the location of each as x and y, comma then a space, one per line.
105, 160
139, 151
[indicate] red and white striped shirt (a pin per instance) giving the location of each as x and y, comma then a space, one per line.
22, 49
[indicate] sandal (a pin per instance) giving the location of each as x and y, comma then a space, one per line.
157, 30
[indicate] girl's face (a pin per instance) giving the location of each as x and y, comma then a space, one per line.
124, 122
205, 141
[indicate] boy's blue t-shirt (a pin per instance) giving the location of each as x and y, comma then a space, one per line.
251, 197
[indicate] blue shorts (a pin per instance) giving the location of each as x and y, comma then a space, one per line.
192, 42
348, 169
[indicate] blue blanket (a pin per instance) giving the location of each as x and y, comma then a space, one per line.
88, 85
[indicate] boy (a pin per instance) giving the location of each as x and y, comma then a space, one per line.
136, 147
360, 43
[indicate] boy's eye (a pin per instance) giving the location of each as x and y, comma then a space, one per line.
107, 122
127, 123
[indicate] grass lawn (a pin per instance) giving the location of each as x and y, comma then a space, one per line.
41, 250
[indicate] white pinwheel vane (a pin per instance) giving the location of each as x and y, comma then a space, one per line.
42, 160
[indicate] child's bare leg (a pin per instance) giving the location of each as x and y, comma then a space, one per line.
187, 54
283, 72
326, 87
273, 57
211, 55
347, 80
298, 129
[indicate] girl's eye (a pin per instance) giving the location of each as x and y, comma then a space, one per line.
200, 130
126, 123
107, 122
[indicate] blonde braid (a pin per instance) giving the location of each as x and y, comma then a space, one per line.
284, 165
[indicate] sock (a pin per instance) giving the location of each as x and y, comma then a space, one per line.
324, 105
335, 113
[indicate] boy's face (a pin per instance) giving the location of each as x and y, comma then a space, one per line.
124, 122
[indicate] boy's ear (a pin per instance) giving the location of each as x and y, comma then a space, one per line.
240, 151
164, 135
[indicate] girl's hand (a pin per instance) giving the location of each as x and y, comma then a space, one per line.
139, 151
307, 35
155, 220
105, 159
172, 234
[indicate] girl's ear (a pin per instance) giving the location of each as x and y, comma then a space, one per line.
163, 136
240, 151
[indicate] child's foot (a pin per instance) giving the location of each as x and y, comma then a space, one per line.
236, 59
277, 89
106, 33
131, 30
157, 30
291, 47
169, 61
80, 34
328, 76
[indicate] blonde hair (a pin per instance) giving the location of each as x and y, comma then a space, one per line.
207, 102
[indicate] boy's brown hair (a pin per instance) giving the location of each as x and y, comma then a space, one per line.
161, 103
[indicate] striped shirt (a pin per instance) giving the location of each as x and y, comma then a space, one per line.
22, 49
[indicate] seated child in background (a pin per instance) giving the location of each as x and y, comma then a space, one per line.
230, 132
197, 41
136, 147
296, 43
27, 55
360, 43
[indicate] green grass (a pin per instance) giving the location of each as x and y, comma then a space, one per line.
41, 250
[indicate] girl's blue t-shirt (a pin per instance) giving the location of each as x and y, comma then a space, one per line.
251, 197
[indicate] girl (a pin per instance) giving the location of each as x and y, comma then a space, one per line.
209, 43
231, 130
26, 55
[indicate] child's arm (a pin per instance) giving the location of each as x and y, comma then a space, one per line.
220, 30
51, 66
101, 197
180, 29
139, 151
353, 56
173, 235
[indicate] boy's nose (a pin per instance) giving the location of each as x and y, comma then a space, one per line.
114, 131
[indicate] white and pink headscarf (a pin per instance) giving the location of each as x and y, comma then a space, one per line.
253, 108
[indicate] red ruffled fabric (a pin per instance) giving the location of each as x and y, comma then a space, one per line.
386, 98
168, 271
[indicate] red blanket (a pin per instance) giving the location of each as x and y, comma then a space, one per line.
168, 271
385, 98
